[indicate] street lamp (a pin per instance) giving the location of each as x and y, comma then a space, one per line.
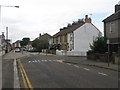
5, 6
9, 6
0, 12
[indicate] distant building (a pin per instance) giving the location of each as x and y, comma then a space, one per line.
16, 44
2, 44
5, 43
2, 39
45, 36
112, 29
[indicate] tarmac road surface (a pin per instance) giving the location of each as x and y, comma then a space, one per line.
40, 71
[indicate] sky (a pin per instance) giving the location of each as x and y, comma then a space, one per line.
48, 16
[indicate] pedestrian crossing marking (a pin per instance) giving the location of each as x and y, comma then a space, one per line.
35, 61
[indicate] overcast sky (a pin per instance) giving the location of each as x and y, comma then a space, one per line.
48, 16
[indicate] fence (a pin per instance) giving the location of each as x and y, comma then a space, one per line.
70, 53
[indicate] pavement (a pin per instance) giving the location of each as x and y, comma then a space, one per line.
96, 64
0, 72
10, 70
85, 61
13, 55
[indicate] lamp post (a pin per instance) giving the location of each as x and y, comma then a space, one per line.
5, 6
0, 12
2, 38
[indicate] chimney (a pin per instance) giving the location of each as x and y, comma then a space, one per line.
3, 36
117, 7
40, 35
87, 20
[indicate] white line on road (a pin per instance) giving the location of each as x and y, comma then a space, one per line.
16, 78
29, 62
35, 60
86, 69
39, 61
76, 66
68, 63
102, 74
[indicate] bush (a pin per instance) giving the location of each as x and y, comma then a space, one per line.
99, 45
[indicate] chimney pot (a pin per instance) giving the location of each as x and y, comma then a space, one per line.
86, 16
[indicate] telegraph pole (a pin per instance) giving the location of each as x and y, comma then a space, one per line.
6, 39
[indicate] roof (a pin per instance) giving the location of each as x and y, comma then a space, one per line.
69, 29
113, 17
45, 36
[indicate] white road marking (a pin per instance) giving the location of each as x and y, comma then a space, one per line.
16, 78
29, 62
86, 69
76, 66
102, 74
68, 63
35, 60
48, 61
39, 61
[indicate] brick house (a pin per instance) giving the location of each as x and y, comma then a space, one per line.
112, 29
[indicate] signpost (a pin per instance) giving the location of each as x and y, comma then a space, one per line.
108, 42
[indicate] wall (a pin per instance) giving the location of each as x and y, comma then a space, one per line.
112, 29
70, 53
63, 41
70, 39
84, 36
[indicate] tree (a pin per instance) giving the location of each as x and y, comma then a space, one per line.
99, 45
40, 44
25, 41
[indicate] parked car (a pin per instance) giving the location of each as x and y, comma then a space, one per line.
17, 49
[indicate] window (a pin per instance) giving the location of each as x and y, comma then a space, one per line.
112, 27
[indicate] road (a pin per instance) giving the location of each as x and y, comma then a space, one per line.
40, 71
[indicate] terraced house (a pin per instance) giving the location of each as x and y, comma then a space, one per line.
75, 39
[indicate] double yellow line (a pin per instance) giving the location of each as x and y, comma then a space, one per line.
25, 79
61, 61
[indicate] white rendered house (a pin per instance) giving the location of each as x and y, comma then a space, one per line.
80, 39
